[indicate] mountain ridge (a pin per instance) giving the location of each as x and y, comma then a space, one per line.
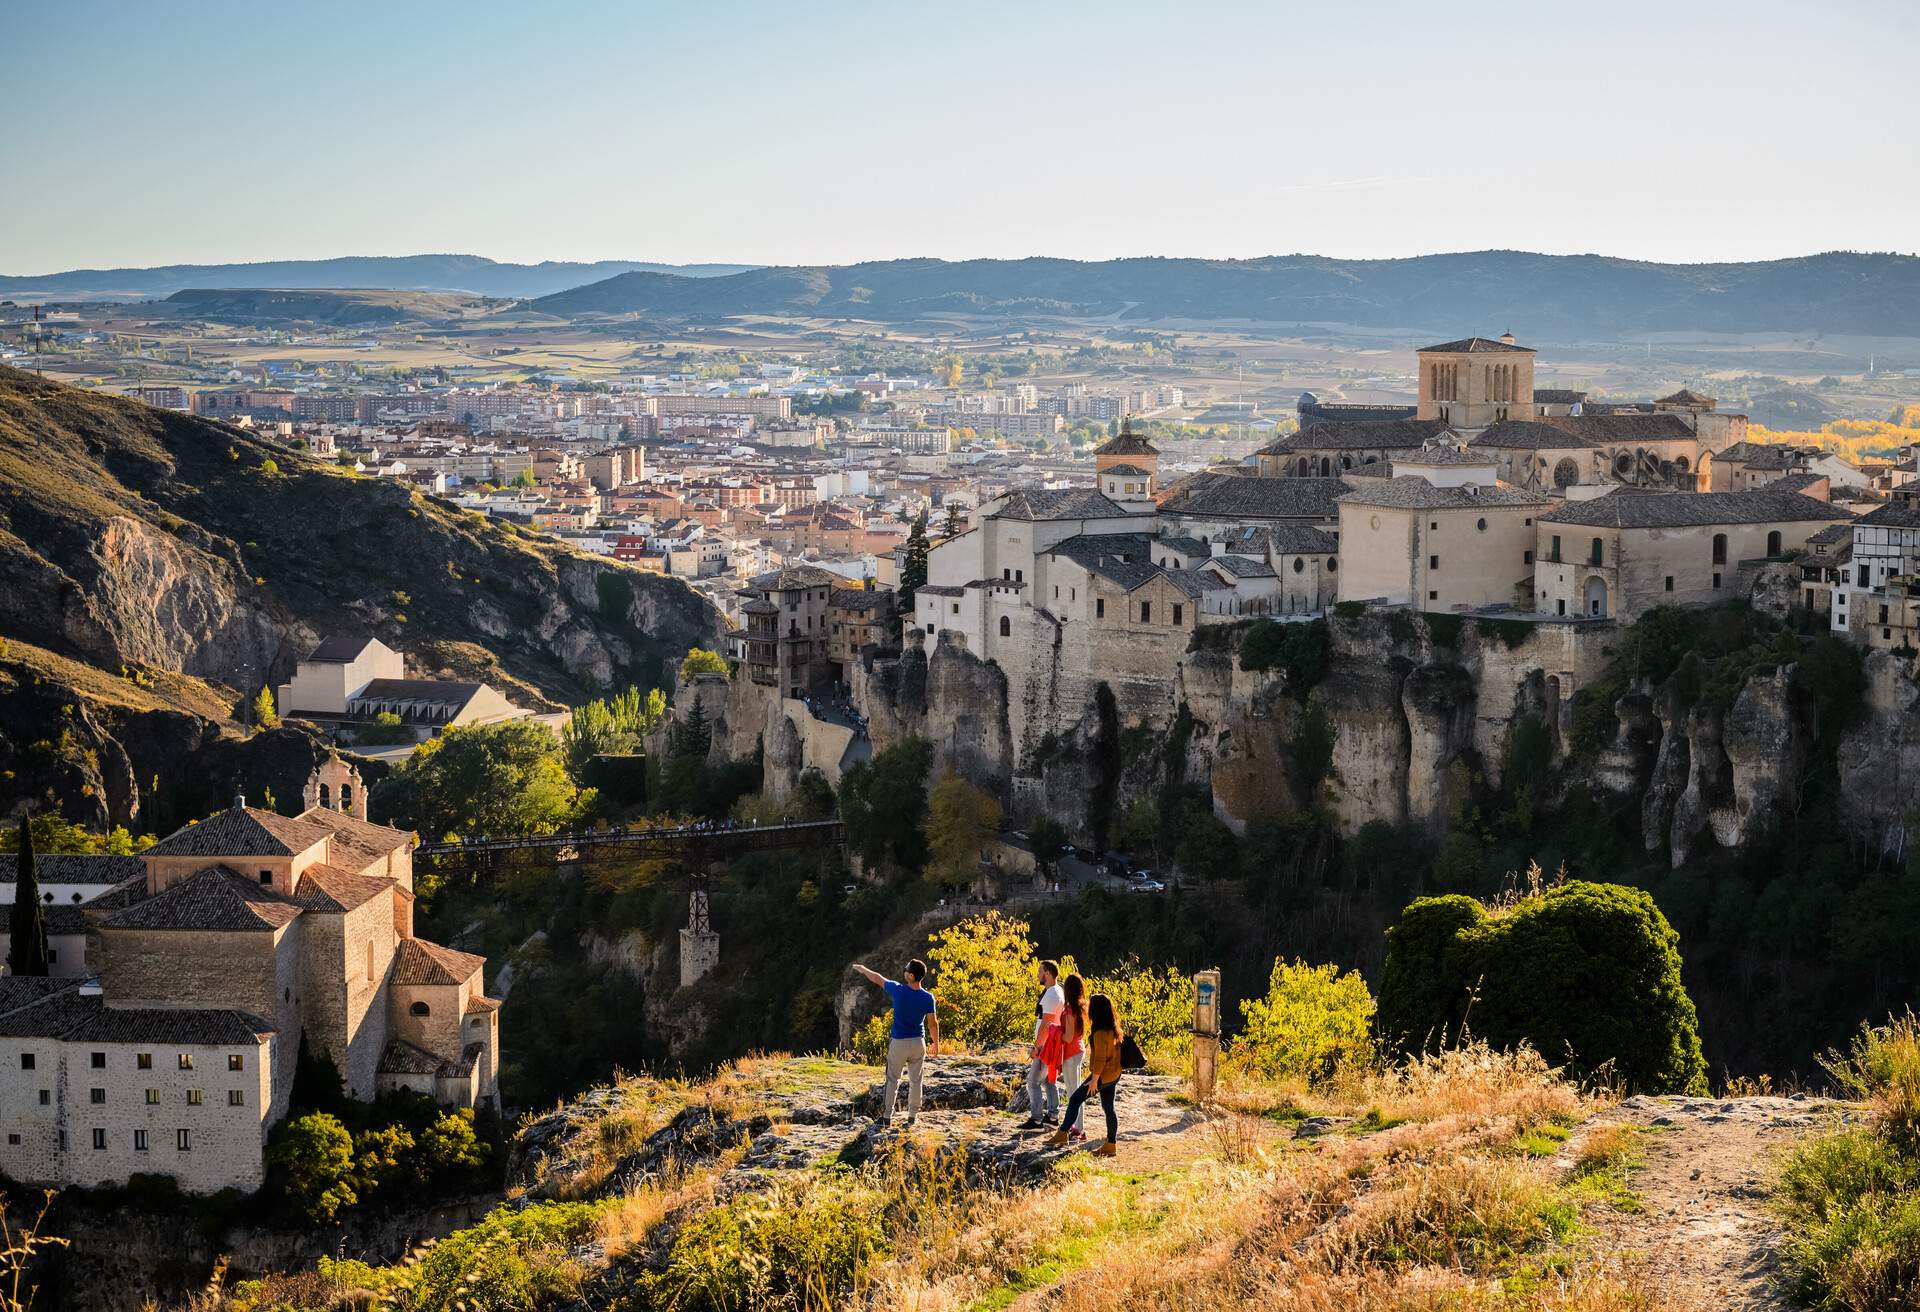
1869, 294
474, 274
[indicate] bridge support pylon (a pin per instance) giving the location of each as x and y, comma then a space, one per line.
699, 945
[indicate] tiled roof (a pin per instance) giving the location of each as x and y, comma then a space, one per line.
1623, 509
1557, 396
1414, 493
244, 831
213, 899
1834, 535
1437, 456
324, 888
1126, 443
861, 599
41, 1007
1685, 396
421, 962
1123, 469
1623, 428
72, 868
403, 1058
1796, 482
1895, 514
220, 1028
1359, 435
1185, 544
1235, 496
452, 692
1065, 503
479, 1003
1088, 549
792, 578
1528, 435
1474, 344
358, 843
1193, 582
1241, 567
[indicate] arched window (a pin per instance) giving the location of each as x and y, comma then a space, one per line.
1773, 543
1305, 467
326, 796
1599, 551
1006, 627
1719, 548
1326, 467
346, 797
419, 1009
1566, 473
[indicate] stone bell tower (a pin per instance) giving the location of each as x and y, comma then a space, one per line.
335, 785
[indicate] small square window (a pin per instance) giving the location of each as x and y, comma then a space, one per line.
183, 1140
153, 1097
143, 1061
97, 1097
1433, 596
236, 1098
1669, 583
1433, 562
26, 1061
193, 1097
236, 1061
139, 1141
13, 1140
46, 1096
186, 1061
1527, 557
97, 1060
99, 1139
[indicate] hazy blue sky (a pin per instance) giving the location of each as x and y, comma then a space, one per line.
141, 133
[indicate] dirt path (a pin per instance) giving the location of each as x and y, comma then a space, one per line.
1703, 1234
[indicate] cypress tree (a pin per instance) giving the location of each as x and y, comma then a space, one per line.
913, 573
27, 929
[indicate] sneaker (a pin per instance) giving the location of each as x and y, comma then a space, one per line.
1106, 1149
1078, 1136
1031, 1124
1058, 1139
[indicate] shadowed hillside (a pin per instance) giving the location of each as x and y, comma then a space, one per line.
142, 542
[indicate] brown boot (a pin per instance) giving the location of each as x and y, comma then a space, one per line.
1106, 1149
1058, 1139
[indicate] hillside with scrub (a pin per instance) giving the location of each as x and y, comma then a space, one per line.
1338, 1163
159, 571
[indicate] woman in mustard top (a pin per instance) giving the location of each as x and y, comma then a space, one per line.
1103, 1073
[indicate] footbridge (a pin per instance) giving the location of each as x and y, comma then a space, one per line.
691, 844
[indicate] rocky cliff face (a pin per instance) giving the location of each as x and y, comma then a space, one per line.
133, 538
1420, 709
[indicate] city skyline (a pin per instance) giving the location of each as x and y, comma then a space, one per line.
756, 136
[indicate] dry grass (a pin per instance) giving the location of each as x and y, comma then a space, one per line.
1437, 1210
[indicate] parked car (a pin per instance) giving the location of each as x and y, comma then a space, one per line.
1150, 886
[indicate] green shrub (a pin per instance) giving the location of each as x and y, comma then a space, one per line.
1154, 1006
1313, 1020
1300, 651
1588, 974
513, 1261
798, 1246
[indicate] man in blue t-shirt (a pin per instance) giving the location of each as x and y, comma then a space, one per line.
915, 1032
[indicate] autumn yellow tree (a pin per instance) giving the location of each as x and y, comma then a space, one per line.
960, 820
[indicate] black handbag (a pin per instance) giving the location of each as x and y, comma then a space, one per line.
1131, 1058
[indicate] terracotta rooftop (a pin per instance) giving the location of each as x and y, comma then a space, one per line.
421, 962
244, 831
213, 899
1473, 345
1623, 509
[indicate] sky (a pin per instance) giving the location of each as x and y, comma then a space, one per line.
781, 133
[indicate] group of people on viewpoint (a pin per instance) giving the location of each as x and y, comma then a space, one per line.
1077, 1044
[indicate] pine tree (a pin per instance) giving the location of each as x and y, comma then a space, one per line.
955, 524
913, 575
695, 735
27, 932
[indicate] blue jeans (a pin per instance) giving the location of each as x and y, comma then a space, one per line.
1043, 1095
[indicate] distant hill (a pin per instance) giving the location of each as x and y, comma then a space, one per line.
357, 308
1537, 296
442, 273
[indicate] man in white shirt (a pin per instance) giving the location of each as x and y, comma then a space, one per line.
1043, 1092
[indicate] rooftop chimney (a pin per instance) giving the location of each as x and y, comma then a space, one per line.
239, 801
1506, 339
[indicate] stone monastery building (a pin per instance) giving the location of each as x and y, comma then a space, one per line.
165, 1044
